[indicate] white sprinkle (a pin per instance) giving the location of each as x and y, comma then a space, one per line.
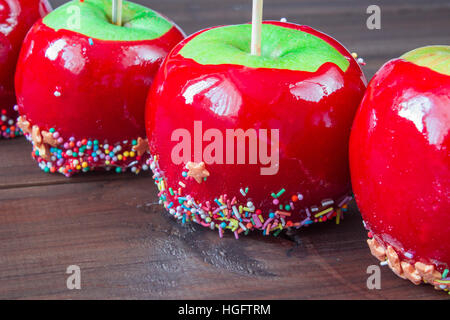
327, 202
236, 212
409, 255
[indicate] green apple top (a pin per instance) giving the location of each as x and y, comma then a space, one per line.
281, 48
92, 18
436, 58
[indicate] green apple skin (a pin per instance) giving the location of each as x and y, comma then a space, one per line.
282, 48
436, 58
305, 85
139, 23
92, 82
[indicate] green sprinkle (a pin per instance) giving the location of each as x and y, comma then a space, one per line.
445, 273
281, 192
52, 130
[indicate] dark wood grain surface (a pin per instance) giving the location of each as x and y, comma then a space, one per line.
128, 247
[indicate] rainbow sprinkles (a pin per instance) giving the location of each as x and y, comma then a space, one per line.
237, 213
70, 156
8, 127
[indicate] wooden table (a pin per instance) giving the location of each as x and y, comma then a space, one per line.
128, 247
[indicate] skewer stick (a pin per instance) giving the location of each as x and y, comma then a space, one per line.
117, 12
256, 27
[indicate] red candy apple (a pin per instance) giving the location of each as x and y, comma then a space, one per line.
290, 111
82, 85
400, 164
16, 18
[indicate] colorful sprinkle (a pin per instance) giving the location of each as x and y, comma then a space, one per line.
8, 126
55, 154
228, 213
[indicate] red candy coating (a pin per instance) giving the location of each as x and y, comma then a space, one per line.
88, 88
312, 110
400, 163
16, 18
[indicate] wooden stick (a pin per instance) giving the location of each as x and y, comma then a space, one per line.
256, 27
117, 12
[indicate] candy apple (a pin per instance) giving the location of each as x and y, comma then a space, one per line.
82, 83
242, 142
400, 164
16, 18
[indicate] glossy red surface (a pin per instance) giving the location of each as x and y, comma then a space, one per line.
16, 18
400, 163
88, 88
313, 112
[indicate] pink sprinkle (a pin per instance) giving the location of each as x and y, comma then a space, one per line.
256, 220
267, 222
308, 213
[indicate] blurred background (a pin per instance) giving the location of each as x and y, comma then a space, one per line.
405, 24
